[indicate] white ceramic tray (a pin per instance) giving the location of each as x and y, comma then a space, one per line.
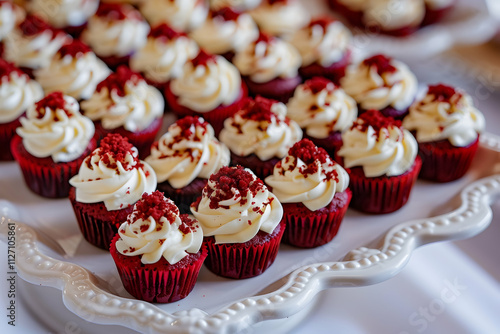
51, 252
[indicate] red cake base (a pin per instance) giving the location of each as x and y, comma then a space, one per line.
331, 144
277, 89
334, 72
260, 168
7, 132
184, 196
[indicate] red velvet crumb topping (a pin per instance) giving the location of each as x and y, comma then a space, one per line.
115, 82
188, 225
117, 12
323, 22
75, 48
376, 120
263, 37
53, 101
154, 205
442, 93
164, 31
6, 68
34, 25
115, 147
309, 153
317, 84
188, 127
203, 58
382, 63
188, 124
226, 13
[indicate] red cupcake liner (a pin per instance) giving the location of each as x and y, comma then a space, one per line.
7, 132
277, 89
184, 196
247, 259
383, 194
160, 282
334, 72
142, 140
215, 117
97, 224
42, 175
260, 168
308, 229
433, 16
330, 144
443, 162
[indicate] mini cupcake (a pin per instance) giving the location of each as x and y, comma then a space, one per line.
381, 83
226, 32
110, 181
115, 32
323, 111
324, 46
280, 17
313, 191
397, 18
53, 140
447, 127
210, 87
33, 44
71, 16
240, 219
185, 157
163, 56
382, 162
157, 251
182, 15
124, 103
435, 10
17, 93
74, 70
259, 135
237, 5
270, 66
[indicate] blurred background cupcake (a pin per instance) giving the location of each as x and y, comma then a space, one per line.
237, 5
182, 15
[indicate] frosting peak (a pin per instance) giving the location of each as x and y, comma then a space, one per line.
75, 48
116, 82
164, 30
381, 63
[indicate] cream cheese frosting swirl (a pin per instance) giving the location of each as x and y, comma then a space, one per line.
320, 108
189, 150
445, 113
64, 13
379, 82
7, 19
155, 229
17, 92
379, 145
54, 127
207, 83
238, 5
235, 205
124, 99
260, 128
183, 15
280, 18
75, 70
113, 174
307, 175
268, 58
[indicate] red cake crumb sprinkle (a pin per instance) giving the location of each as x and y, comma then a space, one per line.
376, 120
117, 12
226, 13
188, 225
53, 101
442, 93
156, 206
7, 68
188, 131
310, 154
115, 82
75, 48
116, 147
203, 58
165, 31
317, 84
263, 37
34, 25
323, 22
382, 63
258, 110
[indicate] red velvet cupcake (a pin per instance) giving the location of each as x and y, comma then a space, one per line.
240, 219
185, 157
53, 140
157, 251
323, 110
17, 93
124, 103
381, 159
325, 48
182, 15
382, 83
436, 10
269, 67
115, 32
313, 191
259, 135
110, 181
447, 127
210, 87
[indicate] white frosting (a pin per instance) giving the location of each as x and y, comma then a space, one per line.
135, 111
115, 37
162, 60
64, 13
160, 238
389, 152
218, 36
183, 15
239, 218
117, 187
239, 5
324, 47
264, 139
60, 134
314, 190
33, 51
458, 121
322, 113
281, 19
74, 76
7, 19
17, 93
263, 62
374, 91
203, 88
